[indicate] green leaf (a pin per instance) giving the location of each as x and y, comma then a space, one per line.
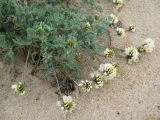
22, 42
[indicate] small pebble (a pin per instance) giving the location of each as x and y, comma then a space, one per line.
118, 113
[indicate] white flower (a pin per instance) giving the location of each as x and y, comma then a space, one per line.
118, 3
99, 84
67, 99
132, 28
98, 78
108, 70
147, 46
121, 32
59, 103
109, 53
14, 86
113, 18
132, 54
67, 104
19, 88
86, 85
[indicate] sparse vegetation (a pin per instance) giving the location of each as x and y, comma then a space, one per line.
55, 37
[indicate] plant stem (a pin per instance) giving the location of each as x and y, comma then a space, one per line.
55, 75
110, 39
75, 82
78, 86
24, 72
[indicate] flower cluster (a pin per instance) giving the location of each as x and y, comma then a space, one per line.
114, 24
86, 85
113, 19
19, 88
109, 53
97, 16
71, 42
132, 54
118, 3
121, 32
147, 46
106, 72
132, 28
98, 79
109, 70
67, 104
88, 27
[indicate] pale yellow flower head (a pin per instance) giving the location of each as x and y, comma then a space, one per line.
121, 32
118, 3
88, 27
114, 19
108, 70
132, 28
132, 54
86, 85
98, 78
147, 46
109, 53
19, 88
67, 104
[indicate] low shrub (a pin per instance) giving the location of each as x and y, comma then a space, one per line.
55, 36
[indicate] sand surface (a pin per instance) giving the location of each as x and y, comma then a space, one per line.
133, 95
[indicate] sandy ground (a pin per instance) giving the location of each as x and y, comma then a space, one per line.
133, 95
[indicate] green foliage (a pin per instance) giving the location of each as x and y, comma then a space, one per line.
53, 34
92, 2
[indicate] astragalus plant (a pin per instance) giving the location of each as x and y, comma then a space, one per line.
53, 34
